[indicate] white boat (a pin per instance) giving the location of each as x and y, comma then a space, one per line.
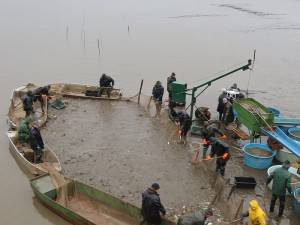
25, 156
16, 114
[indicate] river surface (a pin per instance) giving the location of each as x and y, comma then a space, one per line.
54, 41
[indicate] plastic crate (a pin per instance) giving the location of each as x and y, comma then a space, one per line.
57, 104
245, 182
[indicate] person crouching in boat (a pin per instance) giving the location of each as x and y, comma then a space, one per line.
106, 82
23, 131
40, 93
27, 100
151, 206
36, 142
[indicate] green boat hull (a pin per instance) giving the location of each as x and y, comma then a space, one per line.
46, 193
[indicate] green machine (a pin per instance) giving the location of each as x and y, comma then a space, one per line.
178, 92
206, 85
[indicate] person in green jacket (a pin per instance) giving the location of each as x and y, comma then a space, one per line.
23, 131
228, 116
197, 218
206, 132
281, 181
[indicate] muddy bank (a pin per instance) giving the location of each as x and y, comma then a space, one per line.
120, 148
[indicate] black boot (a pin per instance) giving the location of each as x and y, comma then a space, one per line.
273, 201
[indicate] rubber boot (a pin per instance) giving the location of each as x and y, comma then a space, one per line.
272, 205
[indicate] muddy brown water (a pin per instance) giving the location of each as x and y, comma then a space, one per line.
296, 133
259, 152
194, 44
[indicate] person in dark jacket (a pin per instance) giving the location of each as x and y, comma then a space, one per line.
36, 142
195, 218
206, 132
185, 124
170, 80
228, 116
220, 107
41, 93
157, 95
281, 182
221, 149
27, 100
23, 131
106, 82
151, 206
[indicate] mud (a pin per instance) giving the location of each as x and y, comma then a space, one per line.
259, 152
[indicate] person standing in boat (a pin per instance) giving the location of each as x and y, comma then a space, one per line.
27, 100
36, 142
157, 95
106, 82
41, 93
23, 131
151, 206
281, 182
221, 149
220, 107
170, 80
206, 132
228, 116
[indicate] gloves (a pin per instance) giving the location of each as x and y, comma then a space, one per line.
112, 87
245, 214
204, 141
43, 96
179, 123
38, 148
208, 158
33, 111
225, 155
163, 210
291, 193
180, 132
52, 99
224, 136
157, 99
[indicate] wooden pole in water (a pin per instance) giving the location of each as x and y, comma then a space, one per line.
82, 26
67, 31
98, 46
84, 39
140, 91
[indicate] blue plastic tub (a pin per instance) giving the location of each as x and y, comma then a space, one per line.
235, 114
257, 161
293, 136
296, 202
275, 111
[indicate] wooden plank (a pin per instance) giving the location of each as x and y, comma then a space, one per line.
241, 133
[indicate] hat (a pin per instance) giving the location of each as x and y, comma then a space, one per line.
224, 99
29, 92
48, 86
209, 211
104, 75
155, 186
212, 140
173, 74
286, 164
206, 123
158, 82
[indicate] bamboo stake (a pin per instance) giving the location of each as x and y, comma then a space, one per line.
84, 39
140, 91
82, 26
98, 46
149, 102
67, 34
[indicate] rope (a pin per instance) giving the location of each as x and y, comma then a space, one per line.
216, 73
250, 71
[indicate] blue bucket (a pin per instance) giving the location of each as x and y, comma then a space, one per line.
235, 114
293, 136
275, 111
257, 161
296, 202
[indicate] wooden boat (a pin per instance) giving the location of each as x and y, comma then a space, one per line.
16, 114
86, 204
79, 91
25, 156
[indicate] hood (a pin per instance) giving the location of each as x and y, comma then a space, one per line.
151, 190
28, 120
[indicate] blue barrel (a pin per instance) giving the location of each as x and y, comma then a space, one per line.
275, 111
235, 114
296, 202
293, 136
257, 161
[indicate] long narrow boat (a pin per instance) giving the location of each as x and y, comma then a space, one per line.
16, 114
86, 204
25, 156
83, 91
